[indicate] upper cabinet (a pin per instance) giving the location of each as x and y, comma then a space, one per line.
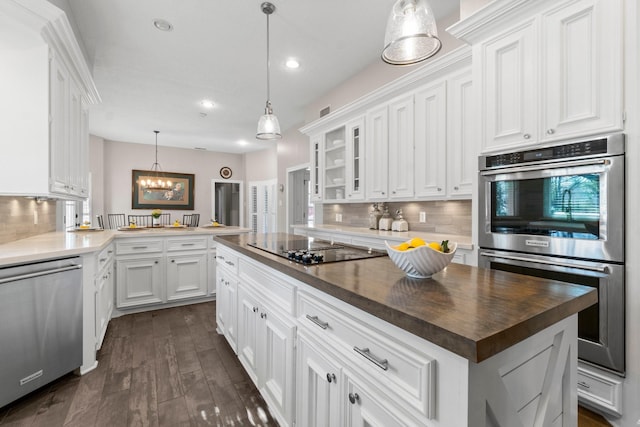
406, 141
546, 71
47, 89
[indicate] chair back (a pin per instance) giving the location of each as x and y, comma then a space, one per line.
165, 219
100, 221
191, 220
141, 220
117, 220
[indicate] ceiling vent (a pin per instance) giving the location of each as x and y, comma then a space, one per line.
326, 110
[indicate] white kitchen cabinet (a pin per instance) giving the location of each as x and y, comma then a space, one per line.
555, 75
316, 167
45, 84
211, 278
400, 148
377, 165
431, 134
266, 340
581, 65
355, 139
319, 381
186, 275
104, 293
227, 306
509, 100
334, 165
461, 141
140, 280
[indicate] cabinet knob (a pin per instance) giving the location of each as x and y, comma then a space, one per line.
331, 377
263, 315
255, 309
353, 398
439, 189
550, 131
173, 260
393, 192
456, 188
382, 192
155, 262
526, 136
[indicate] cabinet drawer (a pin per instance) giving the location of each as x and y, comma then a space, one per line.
227, 259
104, 257
598, 390
131, 247
404, 372
186, 243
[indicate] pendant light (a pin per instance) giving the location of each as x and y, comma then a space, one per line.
412, 35
157, 181
268, 126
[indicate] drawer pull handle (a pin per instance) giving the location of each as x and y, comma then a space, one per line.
139, 247
583, 384
353, 398
188, 244
103, 259
229, 263
331, 377
220, 257
314, 319
366, 353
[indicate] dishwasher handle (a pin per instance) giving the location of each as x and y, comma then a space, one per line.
40, 273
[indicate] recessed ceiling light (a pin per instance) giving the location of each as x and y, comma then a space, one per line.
162, 25
207, 103
292, 63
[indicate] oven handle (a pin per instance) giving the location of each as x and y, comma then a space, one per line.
536, 166
603, 270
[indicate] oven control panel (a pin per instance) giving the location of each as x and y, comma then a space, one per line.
567, 151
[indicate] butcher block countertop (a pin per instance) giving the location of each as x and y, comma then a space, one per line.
473, 312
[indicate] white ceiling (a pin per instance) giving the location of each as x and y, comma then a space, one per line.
149, 79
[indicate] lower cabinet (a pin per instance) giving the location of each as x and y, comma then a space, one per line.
104, 294
227, 305
186, 276
140, 280
266, 340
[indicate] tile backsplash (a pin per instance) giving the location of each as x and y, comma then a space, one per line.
446, 217
17, 215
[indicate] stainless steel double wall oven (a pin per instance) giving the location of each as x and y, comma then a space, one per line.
558, 212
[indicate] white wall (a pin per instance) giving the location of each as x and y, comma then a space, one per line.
262, 165
375, 75
120, 158
96, 169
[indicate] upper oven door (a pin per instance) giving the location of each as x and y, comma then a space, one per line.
572, 208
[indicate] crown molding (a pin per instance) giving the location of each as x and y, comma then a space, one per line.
452, 61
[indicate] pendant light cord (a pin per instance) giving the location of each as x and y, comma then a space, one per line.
268, 67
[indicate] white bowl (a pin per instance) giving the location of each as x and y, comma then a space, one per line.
338, 180
421, 262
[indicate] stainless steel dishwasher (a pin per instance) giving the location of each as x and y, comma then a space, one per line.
40, 324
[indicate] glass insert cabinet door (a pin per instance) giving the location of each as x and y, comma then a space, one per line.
316, 168
355, 156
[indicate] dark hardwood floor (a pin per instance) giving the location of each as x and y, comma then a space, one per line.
160, 368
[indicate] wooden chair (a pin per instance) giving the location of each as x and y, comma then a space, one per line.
191, 220
100, 221
141, 220
117, 220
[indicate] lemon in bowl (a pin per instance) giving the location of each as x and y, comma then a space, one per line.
421, 261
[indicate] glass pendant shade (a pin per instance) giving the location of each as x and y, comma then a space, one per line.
412, 35
268, 125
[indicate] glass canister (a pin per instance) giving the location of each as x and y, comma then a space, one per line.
386, 220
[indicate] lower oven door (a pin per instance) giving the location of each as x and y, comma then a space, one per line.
601, 326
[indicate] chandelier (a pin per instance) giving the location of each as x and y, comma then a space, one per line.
157, 181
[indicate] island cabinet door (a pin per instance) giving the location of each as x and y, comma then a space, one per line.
186, 276
248, 318
318, 386
226, 306
364, 407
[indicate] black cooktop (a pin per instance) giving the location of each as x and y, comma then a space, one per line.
312, 251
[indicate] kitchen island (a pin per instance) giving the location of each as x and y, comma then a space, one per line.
467, 347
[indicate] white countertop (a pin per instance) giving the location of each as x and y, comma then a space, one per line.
63, 243
464, 242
